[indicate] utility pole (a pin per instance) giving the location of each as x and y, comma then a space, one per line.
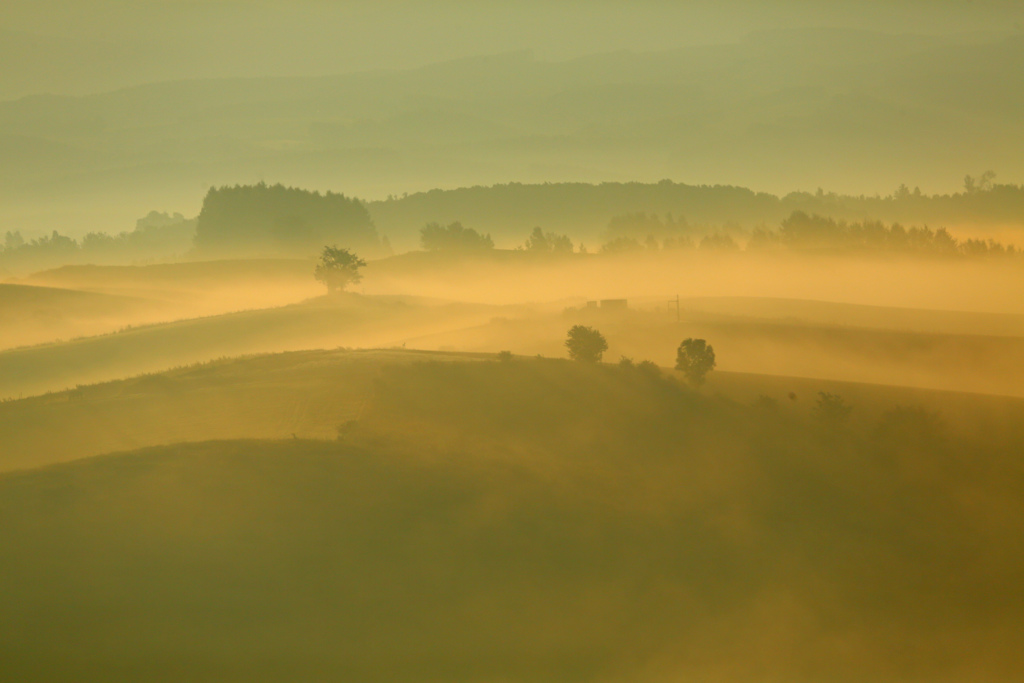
676, 302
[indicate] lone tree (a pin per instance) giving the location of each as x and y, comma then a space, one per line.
586, 344
696, 358
337, 268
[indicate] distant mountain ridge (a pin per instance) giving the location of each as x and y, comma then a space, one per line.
851, 111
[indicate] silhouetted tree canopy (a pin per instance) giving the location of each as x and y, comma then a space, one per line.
810, 232
585, 344
338, 268
453, 237
695, 358
541, 242
158, 235
565, 207
274, 219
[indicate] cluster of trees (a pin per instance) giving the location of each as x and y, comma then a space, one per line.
456, 237
274, 219
453, 237
157, 236
695, 358
566, 206
814, 232
540, 242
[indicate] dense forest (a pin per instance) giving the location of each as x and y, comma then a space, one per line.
261, 219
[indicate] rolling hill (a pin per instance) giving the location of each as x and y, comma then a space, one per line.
528, 520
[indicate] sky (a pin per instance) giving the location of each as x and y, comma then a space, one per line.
79, 47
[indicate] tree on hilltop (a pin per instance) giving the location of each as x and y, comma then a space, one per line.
695, 358
338, 267
586, 344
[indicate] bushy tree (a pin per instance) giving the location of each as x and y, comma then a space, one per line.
338, 267
695, 358
586, 344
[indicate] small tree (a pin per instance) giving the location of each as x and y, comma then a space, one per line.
337, 268
586, 344
696, 358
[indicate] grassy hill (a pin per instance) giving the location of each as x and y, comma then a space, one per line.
310, 394
245, 282
325, 322
307, 394
919, 347
528, 520
81, 301
33, 314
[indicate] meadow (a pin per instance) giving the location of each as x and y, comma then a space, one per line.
534, 519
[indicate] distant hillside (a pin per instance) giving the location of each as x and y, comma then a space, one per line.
349, 321
31, 315
851, 111
515, 300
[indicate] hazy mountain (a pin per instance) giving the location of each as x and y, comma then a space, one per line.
849, 110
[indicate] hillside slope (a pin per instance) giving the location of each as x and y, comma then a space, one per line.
526, 521
33, 314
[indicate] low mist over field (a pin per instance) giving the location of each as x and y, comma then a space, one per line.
558, 342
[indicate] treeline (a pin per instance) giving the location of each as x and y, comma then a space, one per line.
277, 220
800, 232
454, 237
813, 232
584, 210
157, 236
807, 233
240, 221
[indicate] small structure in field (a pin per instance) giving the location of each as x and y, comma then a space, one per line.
613, 304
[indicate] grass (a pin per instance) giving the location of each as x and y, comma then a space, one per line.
325, 322
532, 519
